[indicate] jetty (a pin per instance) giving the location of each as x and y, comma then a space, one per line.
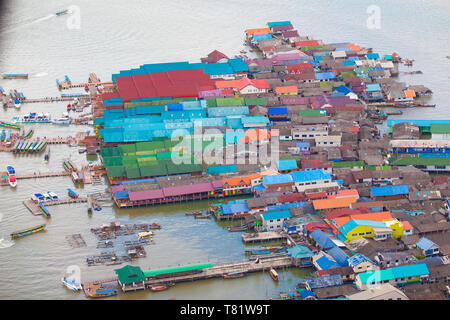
191, 273
35, 209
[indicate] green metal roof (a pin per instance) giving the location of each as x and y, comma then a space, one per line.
188, 267
310, 112
440, 128
423, 161
129, 274
348, 164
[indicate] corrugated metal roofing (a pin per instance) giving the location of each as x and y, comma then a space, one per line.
277, 179
357, 259
339, 256
310, 175
287, 164
283, 214
322, 239
325, 263
300, 252
389, 190
425, 244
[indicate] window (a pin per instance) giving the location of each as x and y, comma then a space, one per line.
368, 232
361, 234
331, 142
354, 235
278, 219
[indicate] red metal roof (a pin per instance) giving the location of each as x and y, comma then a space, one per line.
291, 197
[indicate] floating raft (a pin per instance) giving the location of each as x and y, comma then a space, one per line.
27, 232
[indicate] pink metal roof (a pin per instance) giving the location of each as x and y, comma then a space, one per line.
189, 189
146, 195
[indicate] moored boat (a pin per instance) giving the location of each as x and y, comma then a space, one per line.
23, 233
72, 194
154, 226
159, 287
71, 284
11, 176
234, 275
273, 274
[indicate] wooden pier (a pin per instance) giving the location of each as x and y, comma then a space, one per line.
219, 271
33, 207
262, 236
43, 175
56, 99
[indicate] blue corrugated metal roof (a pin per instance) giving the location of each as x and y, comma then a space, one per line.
276, 111
322, 239
277, 179
325, 75
283, 214
325, 281
235, 208
339, 256
357, 259
389, 190
425, 243
310, 175
325, 263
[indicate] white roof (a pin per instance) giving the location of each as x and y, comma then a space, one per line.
419, 143
375, 292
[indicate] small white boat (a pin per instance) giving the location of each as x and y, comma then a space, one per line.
11, 172
65, 119
71, 284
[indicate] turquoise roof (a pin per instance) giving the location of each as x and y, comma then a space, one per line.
373, 87
288, 164
353, 223
254, 119
299, 252
283, 214
376, 276
411, 270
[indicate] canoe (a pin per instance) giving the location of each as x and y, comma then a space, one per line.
19, 234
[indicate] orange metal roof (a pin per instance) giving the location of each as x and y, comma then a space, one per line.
287, 89
333, 203
409, 93
344, 193
407, 225
376, 216
257, 31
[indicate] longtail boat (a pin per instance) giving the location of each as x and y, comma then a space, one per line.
273, 274
27, 232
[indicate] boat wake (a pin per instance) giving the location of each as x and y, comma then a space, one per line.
29, 23
5, 243
41, 74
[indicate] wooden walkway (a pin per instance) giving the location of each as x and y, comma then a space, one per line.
220, 271
263, 265
55, 99
262, 236
35, 210
43, 175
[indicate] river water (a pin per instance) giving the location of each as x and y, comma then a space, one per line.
113, 35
